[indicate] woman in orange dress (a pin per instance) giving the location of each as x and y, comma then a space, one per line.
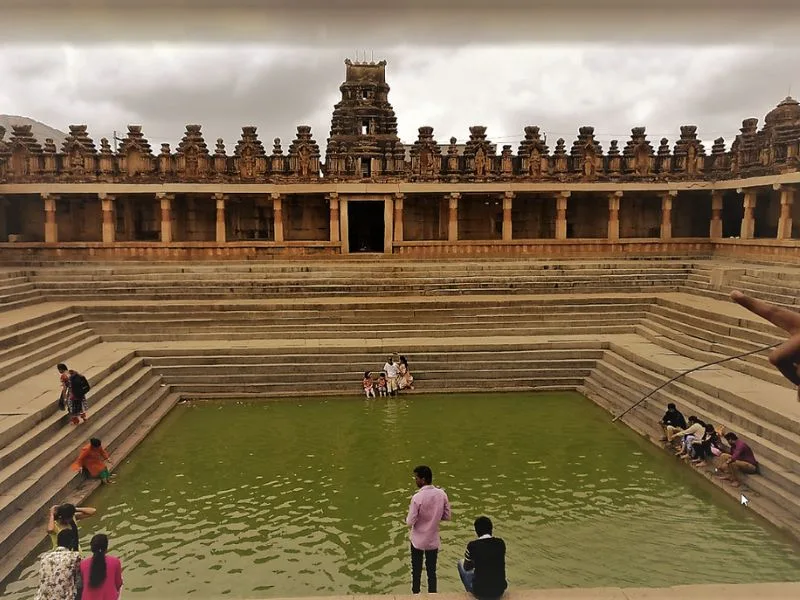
93, 461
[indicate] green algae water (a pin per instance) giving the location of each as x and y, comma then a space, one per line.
308, 497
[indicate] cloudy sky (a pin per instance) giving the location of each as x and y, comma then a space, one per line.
505, 85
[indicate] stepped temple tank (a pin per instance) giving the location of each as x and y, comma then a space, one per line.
367, 191
309, 496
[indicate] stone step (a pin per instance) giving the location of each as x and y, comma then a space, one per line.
34, 328
23, 531
42, 411
271, 360
353, 375
322, 328
25, 456
365, 333
333, 317
706, 352
697, 385
30, 346
769, 438
459, 384
24, 365
16, 304
708, 331
786, 484
770, 502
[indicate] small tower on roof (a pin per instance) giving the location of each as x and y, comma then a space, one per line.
364, 141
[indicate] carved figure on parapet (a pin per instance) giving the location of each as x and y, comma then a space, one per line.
689, 153
304, 155
250, 158
80, 154
134, 154
560, 163
638, 154
426, 156
586, 154
479, 154
533, 154
192, 158
614, 160
453, 159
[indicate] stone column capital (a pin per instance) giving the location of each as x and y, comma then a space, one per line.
220, 196
106, 196
276, 196
565, 194
509, 194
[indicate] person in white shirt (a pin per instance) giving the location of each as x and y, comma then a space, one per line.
693, 432
392, 371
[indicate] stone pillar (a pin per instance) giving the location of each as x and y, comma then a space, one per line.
277, 216
344, 226
50, 225
109, 227
508, 232
398, 217
388, 225
666, 214
613, 215
561, 215
166, 217
785, 220
715, 231
222, 232
452, 220
333, 204
748, 220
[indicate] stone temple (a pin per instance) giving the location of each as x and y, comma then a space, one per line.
241, 271
372, 193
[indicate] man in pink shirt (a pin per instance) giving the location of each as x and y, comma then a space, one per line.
428, 507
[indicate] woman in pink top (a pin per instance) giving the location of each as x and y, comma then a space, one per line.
102, 574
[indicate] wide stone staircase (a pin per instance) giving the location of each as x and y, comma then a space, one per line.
147, 336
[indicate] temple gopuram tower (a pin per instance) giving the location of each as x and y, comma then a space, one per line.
364, 142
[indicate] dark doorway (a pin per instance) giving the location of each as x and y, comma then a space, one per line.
366, 226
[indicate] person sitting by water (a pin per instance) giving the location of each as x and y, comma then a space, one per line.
786, 357
739, 460
382, 385
59, 568
706, 447
369, 386
66, 516
483, 570
694, 431
93, 461
102, 573
405, 379
672, 418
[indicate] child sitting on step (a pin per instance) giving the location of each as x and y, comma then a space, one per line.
369, 389
382, 386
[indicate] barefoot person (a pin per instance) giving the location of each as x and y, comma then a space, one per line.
429, 506
93, 461
785, 357
740, 460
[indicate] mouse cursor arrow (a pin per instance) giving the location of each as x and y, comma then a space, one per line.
744, 500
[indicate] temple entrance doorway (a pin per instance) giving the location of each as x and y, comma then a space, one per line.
366, 225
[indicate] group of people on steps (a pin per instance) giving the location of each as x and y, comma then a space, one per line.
64, 572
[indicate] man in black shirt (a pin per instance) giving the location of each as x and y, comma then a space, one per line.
672, 418
483, 570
